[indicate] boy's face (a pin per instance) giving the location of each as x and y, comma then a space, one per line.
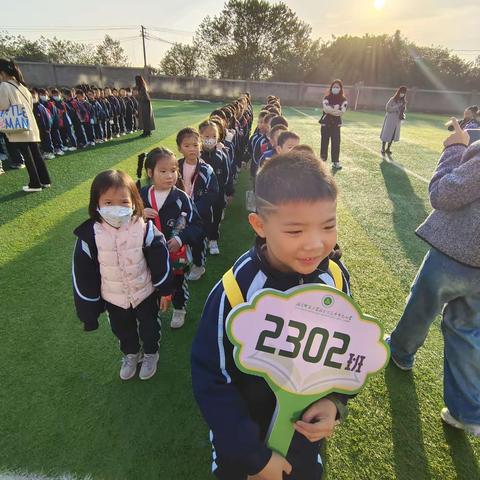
90, 96
80, 97
107, 92
299, 235
274, 139
123, 93
288, 146
261, 125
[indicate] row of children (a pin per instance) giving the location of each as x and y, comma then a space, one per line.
83, 116
121, 265
185, 199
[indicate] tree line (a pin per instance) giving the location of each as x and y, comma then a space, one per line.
257, 40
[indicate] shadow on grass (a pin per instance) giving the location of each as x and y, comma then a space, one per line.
408, 209
463, 456
408, 446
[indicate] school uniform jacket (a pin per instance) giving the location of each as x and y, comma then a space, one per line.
219, 161
238, 407
86, 278
205, 188
176, 203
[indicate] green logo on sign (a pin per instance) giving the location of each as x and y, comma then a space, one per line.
328, 301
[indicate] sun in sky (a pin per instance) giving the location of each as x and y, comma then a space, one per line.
379, 4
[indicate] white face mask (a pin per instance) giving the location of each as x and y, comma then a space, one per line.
115, 215
401, 95
43, 98
56, 97
336, 90
209, 143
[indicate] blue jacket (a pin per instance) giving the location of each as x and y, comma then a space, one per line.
115, 105
176, 203
86, 277
43, 117
219, 161
268, 154
238, 407
205, 188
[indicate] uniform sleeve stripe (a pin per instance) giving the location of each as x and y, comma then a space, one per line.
221, 350
83, 297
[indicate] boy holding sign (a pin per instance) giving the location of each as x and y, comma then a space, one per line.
296, 232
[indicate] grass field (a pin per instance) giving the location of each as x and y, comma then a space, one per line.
63, 409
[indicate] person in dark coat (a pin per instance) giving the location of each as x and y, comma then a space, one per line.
146, 122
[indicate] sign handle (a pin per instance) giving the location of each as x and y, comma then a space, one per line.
282, 432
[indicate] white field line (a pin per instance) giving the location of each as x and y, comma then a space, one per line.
35, 476
371, 150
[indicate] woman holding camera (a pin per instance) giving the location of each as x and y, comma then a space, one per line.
395, 108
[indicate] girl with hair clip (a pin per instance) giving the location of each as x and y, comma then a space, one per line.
13, 91
395, 109
175, 216
121, 265
334, 106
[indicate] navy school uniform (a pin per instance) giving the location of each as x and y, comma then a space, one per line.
123, 112
74, 113
204, 194
88, 120
220, 163
65, 123
135, 112
44, 123
267, 155
55, 128
176, 203
129, 113
115, 109
99, 116
87, 282
259, 146
239, 407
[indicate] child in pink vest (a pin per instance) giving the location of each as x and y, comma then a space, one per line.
121, 265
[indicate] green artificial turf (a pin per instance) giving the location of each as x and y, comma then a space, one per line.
65, 411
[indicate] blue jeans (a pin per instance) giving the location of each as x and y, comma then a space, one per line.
443, 285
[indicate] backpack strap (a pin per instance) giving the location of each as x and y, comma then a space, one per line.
337, 275
232, 289
235, 296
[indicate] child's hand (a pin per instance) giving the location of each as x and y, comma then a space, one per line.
273, 469
458, 136
150, 213
173, 245
165, 303
318, 421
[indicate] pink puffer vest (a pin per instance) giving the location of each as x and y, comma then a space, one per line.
125, 275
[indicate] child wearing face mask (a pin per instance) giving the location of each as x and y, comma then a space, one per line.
216, 156
121, 266
44, 123
334, 106
175, 216
65, 123
395, 113
201, 186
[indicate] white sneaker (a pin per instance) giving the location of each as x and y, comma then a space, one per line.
149, 366
49, 156
129, 366
28, 189
337, 166
59, 151
470, 428
195, 273
178, 318
64, 149
2, 171
46, 185
117, 135
213, 247
72, 149
92, 144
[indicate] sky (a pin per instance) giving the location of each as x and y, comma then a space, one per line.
451, 23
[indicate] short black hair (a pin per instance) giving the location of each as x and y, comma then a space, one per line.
286, 135
186, 132
278, 120
291, 177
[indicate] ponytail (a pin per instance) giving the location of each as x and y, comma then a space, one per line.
140, 162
